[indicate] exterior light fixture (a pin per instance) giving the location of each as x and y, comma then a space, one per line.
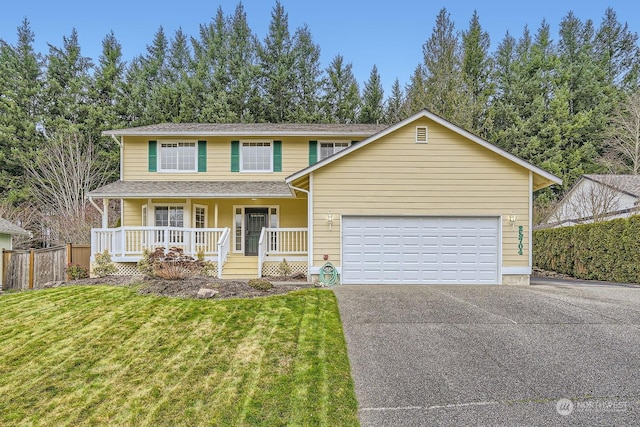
512, 220
330, 219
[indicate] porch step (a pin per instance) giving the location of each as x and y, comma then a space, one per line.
240, 267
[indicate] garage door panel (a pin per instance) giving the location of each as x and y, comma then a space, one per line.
420, 250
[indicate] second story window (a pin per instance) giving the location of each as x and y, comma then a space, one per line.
327, 148
178, 157
256, 156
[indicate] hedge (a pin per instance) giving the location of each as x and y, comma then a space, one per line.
607, 251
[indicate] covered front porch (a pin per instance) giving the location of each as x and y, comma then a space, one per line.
243, 237
127, 244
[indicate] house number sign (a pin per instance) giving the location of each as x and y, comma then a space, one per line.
520, 237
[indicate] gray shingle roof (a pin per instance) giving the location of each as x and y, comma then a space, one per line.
250, 129
7, 227
203, 189
629, 184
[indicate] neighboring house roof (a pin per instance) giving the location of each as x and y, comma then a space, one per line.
629, 184
248, 129
542, 178
7, 227
220, 189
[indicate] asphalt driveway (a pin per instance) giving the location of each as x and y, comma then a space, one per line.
494, 355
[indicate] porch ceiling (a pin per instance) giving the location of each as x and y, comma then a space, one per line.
192, 189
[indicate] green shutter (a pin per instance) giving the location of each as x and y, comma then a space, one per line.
235, 156
153, 156
202, 156
277, 156
313, 152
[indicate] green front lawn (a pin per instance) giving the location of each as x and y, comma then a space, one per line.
108, 356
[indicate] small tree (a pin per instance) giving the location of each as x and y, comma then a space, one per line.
103, 265
65, 168
622, 146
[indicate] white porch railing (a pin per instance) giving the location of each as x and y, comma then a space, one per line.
128, 243
223, 250
281, 242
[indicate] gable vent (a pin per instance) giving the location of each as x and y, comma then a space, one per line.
421, 134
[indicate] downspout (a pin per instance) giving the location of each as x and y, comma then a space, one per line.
309, 225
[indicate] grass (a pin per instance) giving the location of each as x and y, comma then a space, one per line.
108, 356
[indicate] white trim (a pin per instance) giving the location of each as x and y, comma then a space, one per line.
195, 156
500, 251
334, 142
515, 270
251, 141
242, 229
310, 225
193, 214
426, 135
442, 122
530, 231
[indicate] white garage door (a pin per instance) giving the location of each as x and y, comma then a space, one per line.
423, 250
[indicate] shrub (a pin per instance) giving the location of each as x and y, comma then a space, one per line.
600, 251
284, 268
173, 265
103, 265
176, 270
75, 272
260, 284
145, 264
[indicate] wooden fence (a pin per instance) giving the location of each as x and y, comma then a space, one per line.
31, 269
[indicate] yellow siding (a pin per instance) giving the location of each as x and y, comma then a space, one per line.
449, 175
292, 212
295, 156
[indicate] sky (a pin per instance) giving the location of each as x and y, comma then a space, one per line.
388, 34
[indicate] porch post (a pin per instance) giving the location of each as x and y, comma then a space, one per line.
105, 213
215, 216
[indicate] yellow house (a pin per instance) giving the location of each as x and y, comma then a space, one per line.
422, 201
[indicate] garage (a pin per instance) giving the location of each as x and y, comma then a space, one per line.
420, 250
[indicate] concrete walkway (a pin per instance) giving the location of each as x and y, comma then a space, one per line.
494, 355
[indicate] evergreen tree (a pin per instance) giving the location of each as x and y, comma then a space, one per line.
211, 79
277, 69
416, 98
394, 111
372, 110
442, 64
341, 93
617, 50
20, 110
306, 108
476, 73
242, 68
104, 95
66, 90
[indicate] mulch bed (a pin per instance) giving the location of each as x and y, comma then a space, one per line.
189, 288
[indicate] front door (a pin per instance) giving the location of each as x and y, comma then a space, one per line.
254, 220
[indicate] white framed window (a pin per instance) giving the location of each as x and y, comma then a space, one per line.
169, 216
145, 217
178, 157
199, 216
328, 148
256, 156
